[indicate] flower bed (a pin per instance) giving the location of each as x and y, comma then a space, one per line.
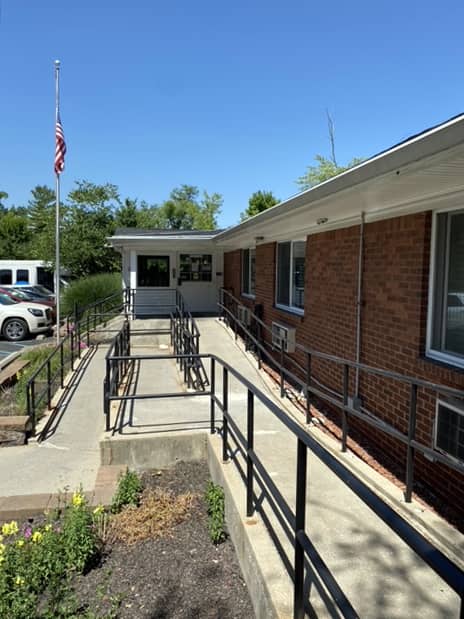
153, 558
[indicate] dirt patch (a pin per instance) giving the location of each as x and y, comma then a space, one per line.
179, 575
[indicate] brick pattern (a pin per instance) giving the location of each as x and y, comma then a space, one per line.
394, 315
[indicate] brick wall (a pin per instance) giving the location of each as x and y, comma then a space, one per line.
394, 314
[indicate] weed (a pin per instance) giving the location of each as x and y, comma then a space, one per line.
216, 511
128, 492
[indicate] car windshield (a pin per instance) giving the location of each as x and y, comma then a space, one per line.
6, 300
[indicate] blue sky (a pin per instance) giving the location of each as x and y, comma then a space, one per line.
230, 97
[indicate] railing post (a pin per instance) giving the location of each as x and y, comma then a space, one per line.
33, 411
213, 395
282, 383
250, 447
225, 407
346, 376
49, 387
410, 449
88, 329
72, 349
308, 389
61, 364
300, 517
78, 335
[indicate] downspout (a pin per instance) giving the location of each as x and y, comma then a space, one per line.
357, 400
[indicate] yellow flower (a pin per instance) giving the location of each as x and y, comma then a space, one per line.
37, 536
20, 543
48, 527
19, 581
2, 549
98, 510
10, 528
77, 499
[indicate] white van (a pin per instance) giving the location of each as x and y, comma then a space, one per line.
32, 272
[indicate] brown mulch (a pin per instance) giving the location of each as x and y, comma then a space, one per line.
178, 575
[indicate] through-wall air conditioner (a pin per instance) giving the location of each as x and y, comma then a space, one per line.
244, 315
283, 336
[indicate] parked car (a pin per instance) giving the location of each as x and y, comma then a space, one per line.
36, 290
19, 319
23, 296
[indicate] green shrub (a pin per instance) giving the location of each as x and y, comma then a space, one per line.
90, 289
216, 511
128, 492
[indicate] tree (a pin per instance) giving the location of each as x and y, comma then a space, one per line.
324, 170
14, 236
41, 215
259, 202
184, 210
126, 214
88, 221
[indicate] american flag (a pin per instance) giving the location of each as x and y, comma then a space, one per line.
60, 147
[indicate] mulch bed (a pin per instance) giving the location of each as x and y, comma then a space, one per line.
178, 576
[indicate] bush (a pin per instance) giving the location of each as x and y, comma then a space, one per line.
216, 512
128, 492
90, 289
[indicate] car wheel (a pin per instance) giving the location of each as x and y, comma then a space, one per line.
15, 329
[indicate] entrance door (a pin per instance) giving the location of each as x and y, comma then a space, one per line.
153, 272
154, 294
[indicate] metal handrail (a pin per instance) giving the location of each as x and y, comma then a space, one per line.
256, 471
341, 402
68, 350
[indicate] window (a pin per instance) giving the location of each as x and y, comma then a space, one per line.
291, 274
22, 275
449, 430
6, 277
153, 271
249, 272
196, 267
446, 335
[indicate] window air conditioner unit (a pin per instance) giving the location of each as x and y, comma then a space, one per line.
244, 315
283, 336
449, 428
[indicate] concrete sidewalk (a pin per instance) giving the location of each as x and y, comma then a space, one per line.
379, 574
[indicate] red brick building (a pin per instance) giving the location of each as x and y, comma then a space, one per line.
369, 267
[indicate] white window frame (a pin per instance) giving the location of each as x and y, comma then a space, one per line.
248, 295
288, 308
456, 409
433, 353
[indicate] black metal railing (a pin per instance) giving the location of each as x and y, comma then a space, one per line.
185, 342
255, 473
50, 375
117, 361
254, 335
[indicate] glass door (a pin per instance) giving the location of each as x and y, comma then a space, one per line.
153, 272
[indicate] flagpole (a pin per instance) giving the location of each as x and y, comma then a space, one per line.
57, 209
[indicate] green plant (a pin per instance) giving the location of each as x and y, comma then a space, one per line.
216, 512
87, 290
128, 491
36, 563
